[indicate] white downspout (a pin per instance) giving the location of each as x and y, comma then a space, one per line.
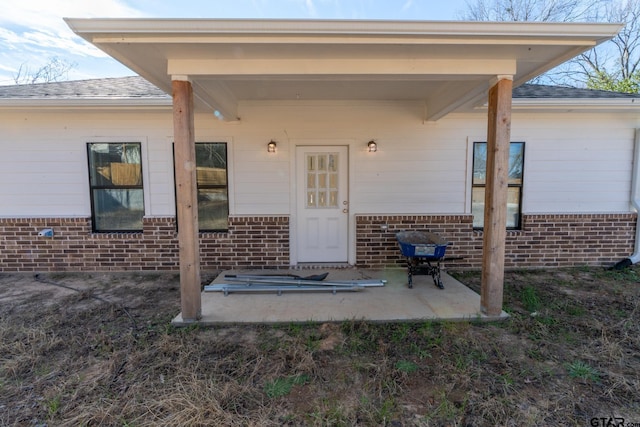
635, 195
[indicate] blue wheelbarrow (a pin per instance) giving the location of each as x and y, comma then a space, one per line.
424, 252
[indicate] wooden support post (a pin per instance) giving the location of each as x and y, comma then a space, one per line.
186, 200
495, 208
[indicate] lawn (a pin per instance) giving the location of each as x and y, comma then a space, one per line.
98, 349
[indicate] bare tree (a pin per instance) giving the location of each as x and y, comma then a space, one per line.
528, 10
56, 69
614, 66
611, 66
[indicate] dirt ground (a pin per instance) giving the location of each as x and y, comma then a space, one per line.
98, 349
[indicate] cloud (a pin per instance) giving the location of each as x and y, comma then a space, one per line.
33, 31
311, 8
37, 24
9, 39
46, 15
5, 68
407, 5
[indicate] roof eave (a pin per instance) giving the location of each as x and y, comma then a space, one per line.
39, 103
578, 103
573, 104
463, 29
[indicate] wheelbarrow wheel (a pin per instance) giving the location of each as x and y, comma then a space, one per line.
410, 272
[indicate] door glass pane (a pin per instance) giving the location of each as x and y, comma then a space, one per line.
333, 181
311, 199
318, 180
322, 180
322, 162
333, 163
322, 199
333, 199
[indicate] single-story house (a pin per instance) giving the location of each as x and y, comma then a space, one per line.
253, 144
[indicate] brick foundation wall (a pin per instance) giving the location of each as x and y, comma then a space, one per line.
258, 242
250, 242
544, 241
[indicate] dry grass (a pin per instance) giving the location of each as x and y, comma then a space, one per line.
99, 350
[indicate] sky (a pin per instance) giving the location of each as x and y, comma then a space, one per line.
32, 32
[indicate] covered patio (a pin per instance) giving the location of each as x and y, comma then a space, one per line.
217, 65
392, 302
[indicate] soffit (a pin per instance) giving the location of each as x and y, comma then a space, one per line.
447, 65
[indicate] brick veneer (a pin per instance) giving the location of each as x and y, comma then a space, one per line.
250, 242
544, 241
258, 242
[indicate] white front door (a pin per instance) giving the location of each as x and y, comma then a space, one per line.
322, 203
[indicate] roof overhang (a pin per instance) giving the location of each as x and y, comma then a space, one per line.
447, 65
578, 104
93, 103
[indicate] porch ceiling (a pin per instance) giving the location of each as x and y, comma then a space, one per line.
447, 65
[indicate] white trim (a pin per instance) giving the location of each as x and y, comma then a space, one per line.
495, 80
457, 29
635, 195
574, 104
180, 78
111, 103
468, 185
293, 217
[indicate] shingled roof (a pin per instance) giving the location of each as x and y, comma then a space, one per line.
135, 87
533, 91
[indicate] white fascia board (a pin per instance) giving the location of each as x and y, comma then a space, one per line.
574, 104
579, 103
458, 29
37, 103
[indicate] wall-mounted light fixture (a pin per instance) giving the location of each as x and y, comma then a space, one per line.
271, 147
372, 146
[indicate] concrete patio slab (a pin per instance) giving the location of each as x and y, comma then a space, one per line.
393, 302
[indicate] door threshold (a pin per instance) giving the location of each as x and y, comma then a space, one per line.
321, 265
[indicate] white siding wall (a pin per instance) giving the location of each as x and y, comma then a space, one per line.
577, 163
574, 162
43, 165
418, 168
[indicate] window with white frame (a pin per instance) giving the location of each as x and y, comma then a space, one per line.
514, 191
115, 180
